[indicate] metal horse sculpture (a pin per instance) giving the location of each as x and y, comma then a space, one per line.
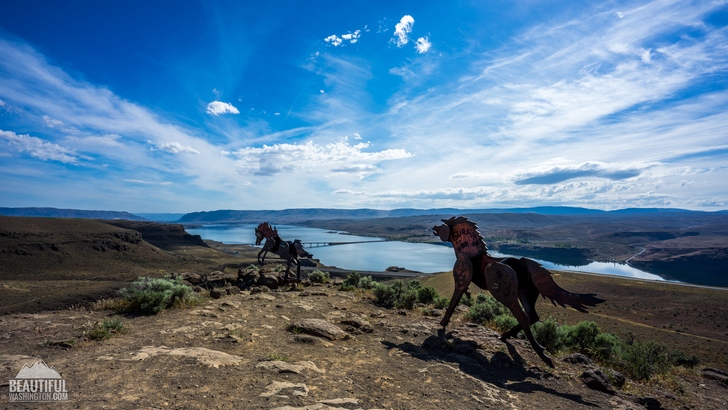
508, 280
290, 251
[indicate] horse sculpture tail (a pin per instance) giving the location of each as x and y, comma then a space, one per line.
549, 289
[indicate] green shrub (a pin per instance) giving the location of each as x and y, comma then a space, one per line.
414, 284
485, 309
385, 295
407, 300
367, 283
467, 301
347, 288
398, 287
149, 295
581, 337
504, 323
548, 334
607, 347
404, 296
318, 276
426, 294
352, 280
441, 302
641, 361
105, 329
679, 358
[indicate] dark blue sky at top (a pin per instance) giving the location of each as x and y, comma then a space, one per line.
524, 103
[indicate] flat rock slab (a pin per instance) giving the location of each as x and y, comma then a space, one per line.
319, 327
285, 367
212, 358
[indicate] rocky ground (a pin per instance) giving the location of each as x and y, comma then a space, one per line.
316, 348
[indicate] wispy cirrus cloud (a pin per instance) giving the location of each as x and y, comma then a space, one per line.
38, 148
338, 157
173, 148
558, 174
144, 182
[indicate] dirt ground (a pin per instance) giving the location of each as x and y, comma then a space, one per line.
238, 351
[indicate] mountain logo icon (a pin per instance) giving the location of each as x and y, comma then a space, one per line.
37, 370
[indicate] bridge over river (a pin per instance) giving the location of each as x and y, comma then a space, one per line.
321, 244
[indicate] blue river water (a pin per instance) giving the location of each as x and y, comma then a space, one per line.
377, 255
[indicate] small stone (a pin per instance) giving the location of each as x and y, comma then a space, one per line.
217, 293
596, 380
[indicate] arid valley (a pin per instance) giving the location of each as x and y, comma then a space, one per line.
251, 349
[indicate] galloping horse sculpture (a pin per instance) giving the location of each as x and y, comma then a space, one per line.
508, 280
290, 251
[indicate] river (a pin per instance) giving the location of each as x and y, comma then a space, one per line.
374, 254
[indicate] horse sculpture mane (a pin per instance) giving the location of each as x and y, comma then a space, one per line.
267, 230
509, 280
465, 236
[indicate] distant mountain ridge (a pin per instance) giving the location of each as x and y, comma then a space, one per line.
69, 213
314, 214
297, 215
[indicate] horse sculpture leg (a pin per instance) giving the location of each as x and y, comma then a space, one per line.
462, 272
528, 299
503, 285
288, 265
262, 261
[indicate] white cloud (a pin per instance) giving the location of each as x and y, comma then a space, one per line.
219, 107
402, 30
39, 148
339, 157
423, 45
51, 123
106, 140
143, 182
174, 148
334, 40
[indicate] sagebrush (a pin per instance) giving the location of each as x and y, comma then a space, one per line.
153, 295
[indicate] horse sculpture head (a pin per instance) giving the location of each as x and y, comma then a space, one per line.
264, 231
463, 234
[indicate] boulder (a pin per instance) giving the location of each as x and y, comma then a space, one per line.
718, 375
217, 293
248, 278
650, 403
213, 279
191, 278
578, 358
596, 380
318, 327
232, 290
269, 280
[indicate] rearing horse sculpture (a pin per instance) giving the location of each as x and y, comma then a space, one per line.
290, 251
508, 280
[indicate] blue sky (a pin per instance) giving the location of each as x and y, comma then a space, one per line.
181, 106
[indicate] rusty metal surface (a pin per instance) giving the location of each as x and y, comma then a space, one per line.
516, 283
290, 251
